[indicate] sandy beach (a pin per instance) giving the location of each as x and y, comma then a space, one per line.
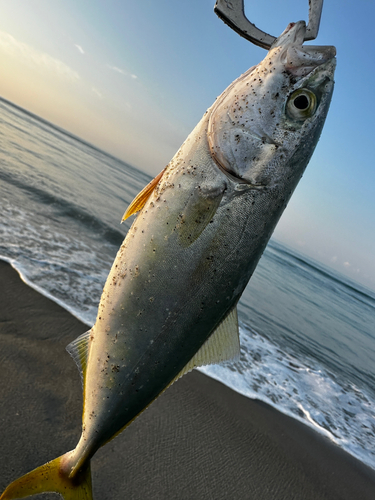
199, 440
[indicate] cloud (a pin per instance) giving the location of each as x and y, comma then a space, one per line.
347, 264
35, 58
118, 70
122, 72
79, 48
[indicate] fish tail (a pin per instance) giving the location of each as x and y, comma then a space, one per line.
53, 477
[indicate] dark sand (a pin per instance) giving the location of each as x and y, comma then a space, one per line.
199, 440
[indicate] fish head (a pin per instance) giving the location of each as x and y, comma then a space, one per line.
269, 120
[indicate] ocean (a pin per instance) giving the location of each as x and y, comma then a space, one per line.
307, 333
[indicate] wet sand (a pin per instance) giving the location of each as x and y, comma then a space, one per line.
199, 440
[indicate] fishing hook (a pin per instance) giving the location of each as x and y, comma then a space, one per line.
232, 13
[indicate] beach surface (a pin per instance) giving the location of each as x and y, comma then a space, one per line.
198, 440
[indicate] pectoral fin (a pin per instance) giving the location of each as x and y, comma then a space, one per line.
198, 212
140, 200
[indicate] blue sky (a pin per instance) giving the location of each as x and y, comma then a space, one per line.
134, 78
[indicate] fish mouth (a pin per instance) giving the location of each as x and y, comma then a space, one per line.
299, 59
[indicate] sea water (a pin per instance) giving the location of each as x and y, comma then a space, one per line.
307, 334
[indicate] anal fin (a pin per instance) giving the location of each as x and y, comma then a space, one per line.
222, 345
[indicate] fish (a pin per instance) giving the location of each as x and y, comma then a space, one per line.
170, 300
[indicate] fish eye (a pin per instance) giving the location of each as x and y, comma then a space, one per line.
301, 104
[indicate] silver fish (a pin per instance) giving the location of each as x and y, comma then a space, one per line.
169, 303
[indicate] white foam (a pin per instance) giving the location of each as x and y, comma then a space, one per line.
302, 389
55, 263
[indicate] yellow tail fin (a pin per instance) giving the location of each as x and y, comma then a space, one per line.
51, 477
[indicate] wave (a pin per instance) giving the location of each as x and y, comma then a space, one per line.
65, 208
302, 388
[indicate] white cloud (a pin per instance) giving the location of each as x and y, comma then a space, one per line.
122, 72
35, 58
347, 264
118, 70
80, 48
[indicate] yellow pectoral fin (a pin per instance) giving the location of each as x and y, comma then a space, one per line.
140, 200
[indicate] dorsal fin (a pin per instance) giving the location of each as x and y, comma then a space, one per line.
222, 345
139, 201
79, 351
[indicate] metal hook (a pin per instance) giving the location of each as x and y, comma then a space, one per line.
232, 13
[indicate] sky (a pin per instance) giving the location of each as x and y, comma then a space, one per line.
134, 78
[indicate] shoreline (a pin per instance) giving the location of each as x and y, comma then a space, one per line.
199, 439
